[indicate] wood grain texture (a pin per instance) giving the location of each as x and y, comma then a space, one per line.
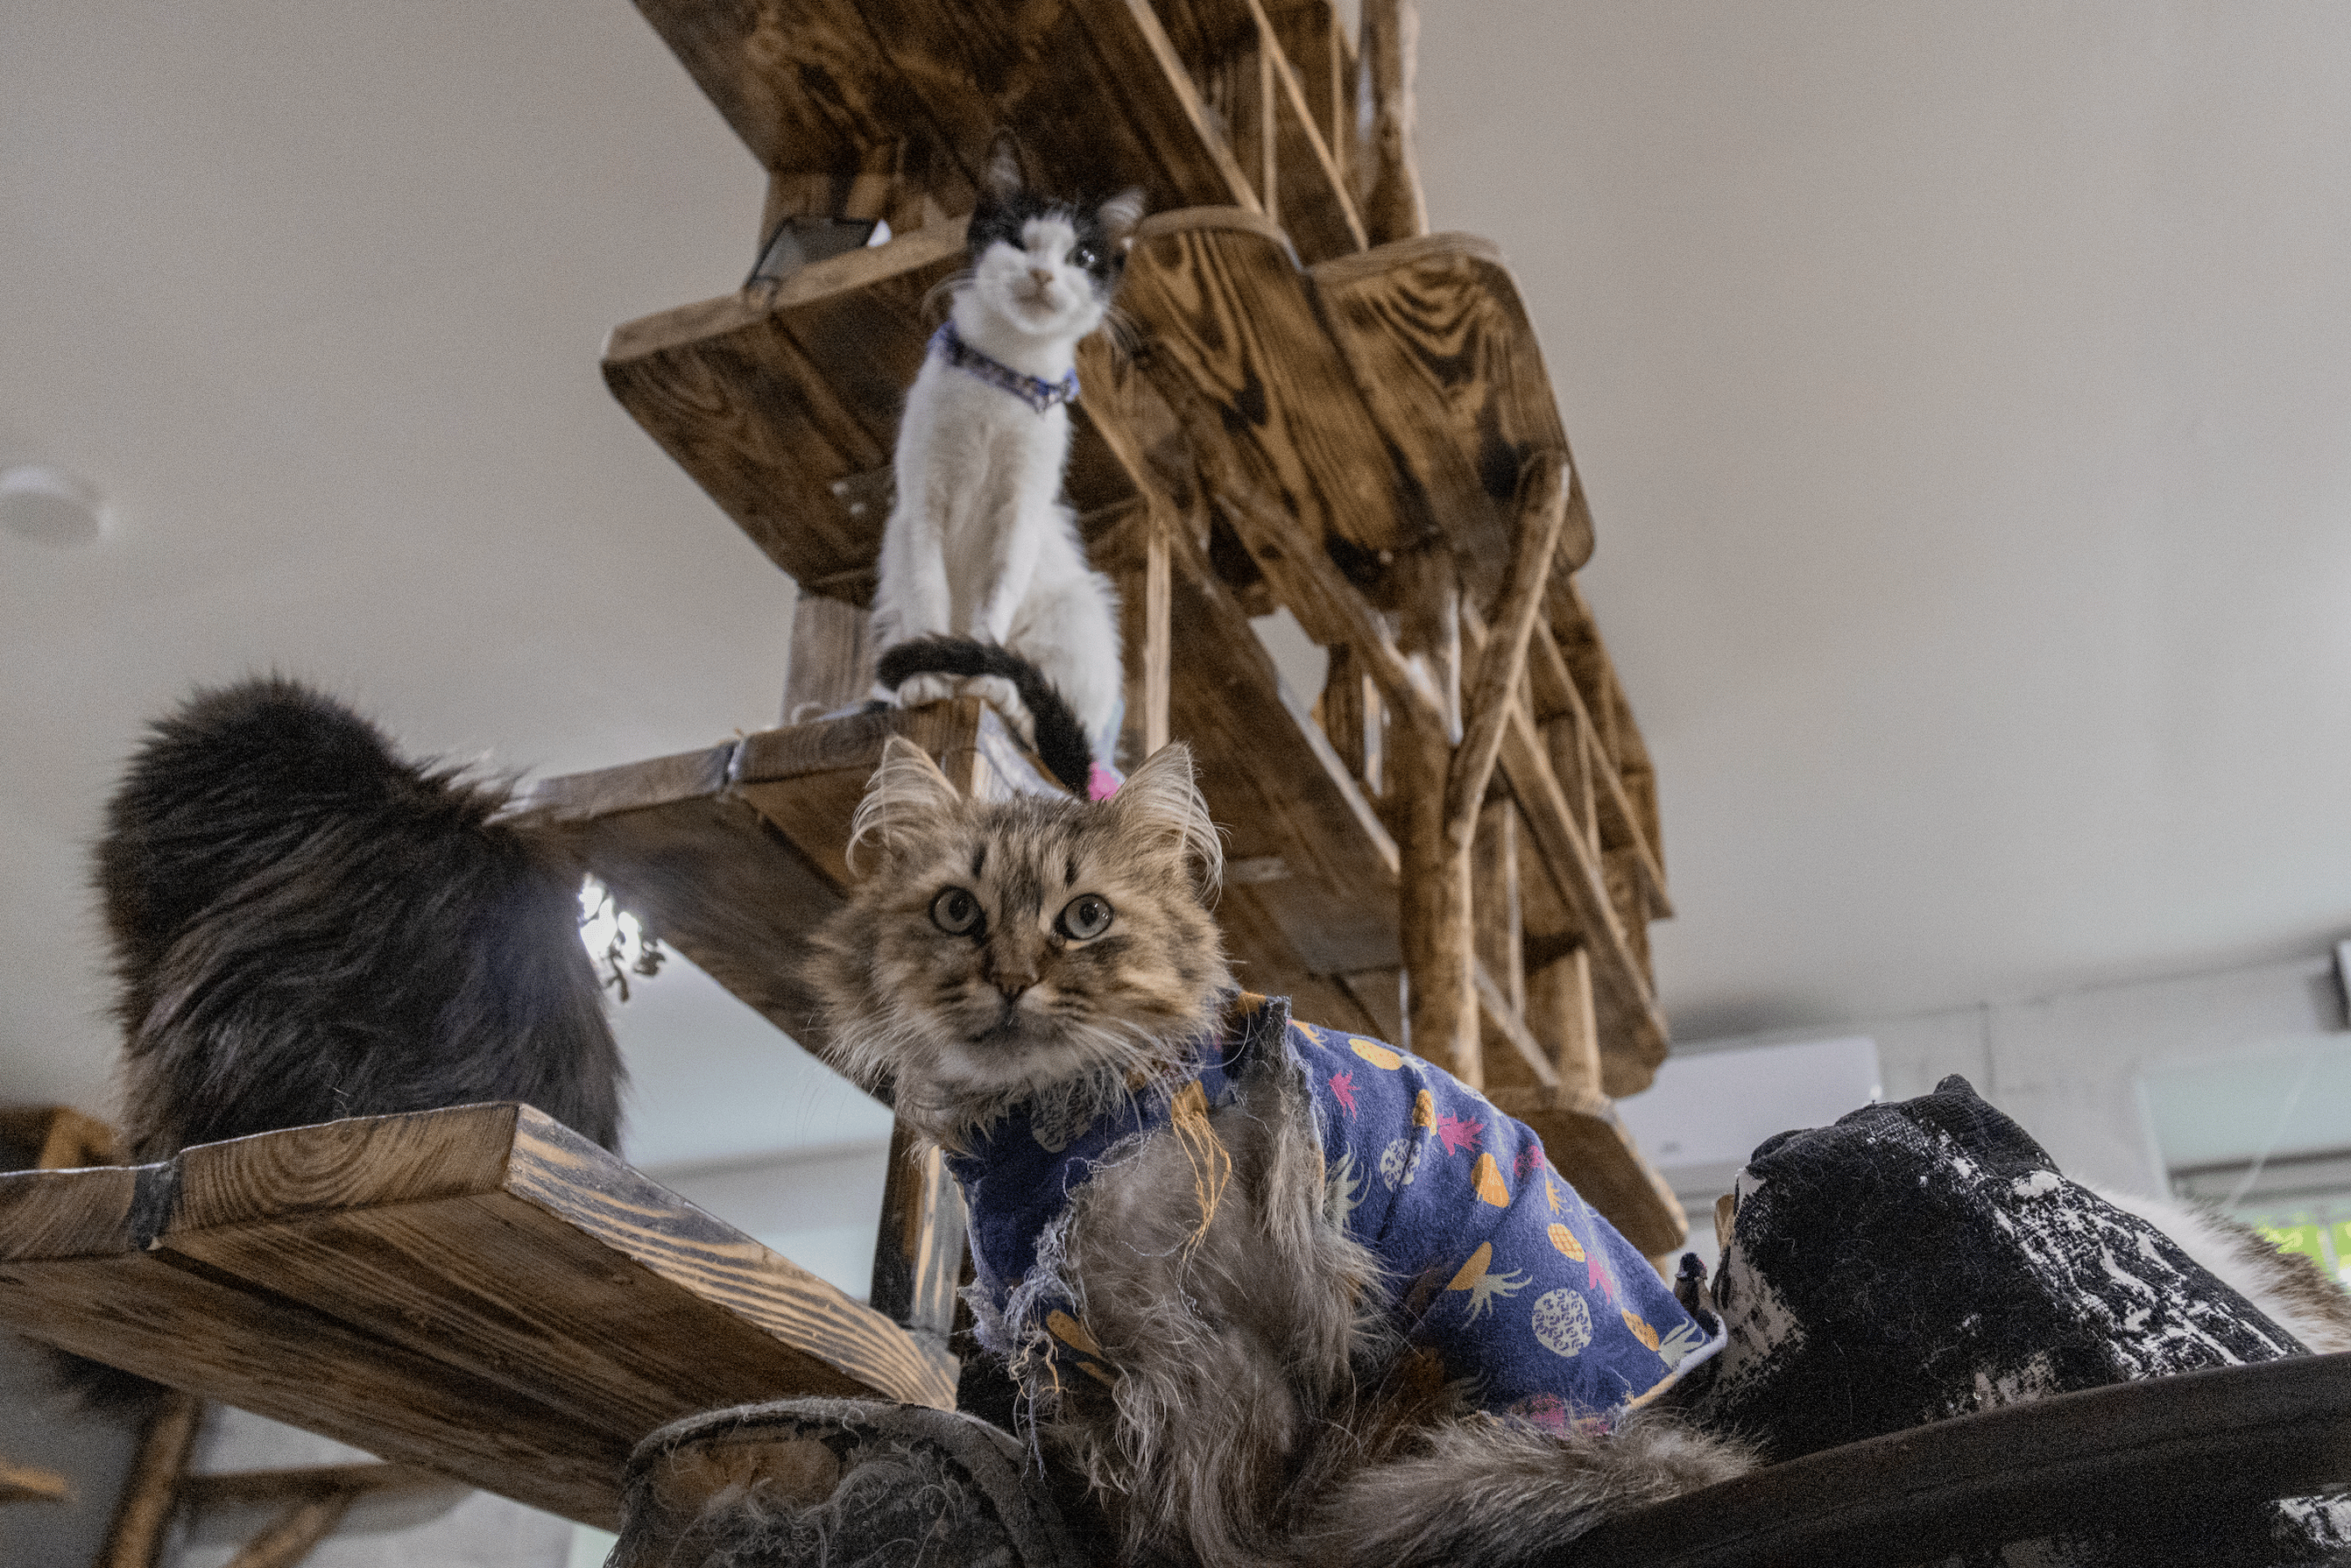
1501, 657
918, 1251
803, 82
701, 868
1437, 337
480, 1292
496, 1241
1394, 208
140, 1530
183, 1327
1310, 183
1239, 352
2172, 1450
775, 403
832, 658
1588, 1145
249, 1489
1278, 789
1560, 1013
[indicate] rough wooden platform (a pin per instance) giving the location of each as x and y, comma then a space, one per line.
735, 854
1195, 100
478, 1291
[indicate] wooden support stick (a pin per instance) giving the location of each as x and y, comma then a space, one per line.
1542, 493
1393, 208
1326, 605
832, 657
918, 1254
1435, 925
1494, 899
1561, 1015
143, 1518
1145, 587
293, 1532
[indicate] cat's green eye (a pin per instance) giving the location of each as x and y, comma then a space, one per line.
956, 912
1085, 917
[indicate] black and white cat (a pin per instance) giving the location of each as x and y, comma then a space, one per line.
979, 543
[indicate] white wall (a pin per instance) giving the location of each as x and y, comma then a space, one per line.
2068, 1066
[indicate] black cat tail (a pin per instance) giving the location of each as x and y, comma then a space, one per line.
1061, 743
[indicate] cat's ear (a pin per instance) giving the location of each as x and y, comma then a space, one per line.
906, 792
1161, 804
1003, 177
1119, 216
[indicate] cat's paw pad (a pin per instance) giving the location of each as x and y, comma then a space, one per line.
920, 691
1005, 698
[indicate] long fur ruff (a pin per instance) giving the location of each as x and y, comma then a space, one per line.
307, 927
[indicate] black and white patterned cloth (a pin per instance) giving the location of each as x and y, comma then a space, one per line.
1921, 1261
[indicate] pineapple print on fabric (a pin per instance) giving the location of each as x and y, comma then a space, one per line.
1499, 1267
1500, 1275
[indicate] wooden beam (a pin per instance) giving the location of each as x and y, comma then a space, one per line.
1559, 1015
1522, 1061
1394, 208
142, 1517
1435, 919
29, 1483
831, 660
290, 1537
259, 1489
1494, 900
1137, 562
919, 1251
1502, 660
1311, 194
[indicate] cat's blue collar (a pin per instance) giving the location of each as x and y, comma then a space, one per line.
1040, 395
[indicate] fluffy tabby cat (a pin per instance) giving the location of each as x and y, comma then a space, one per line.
307, 926
1231, 1375
979, 543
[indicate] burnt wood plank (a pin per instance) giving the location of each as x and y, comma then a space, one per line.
496, 1242
778, 403
701, 868
1239, 352
76, 1271
1437, 337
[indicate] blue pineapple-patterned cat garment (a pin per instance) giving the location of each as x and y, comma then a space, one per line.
1495, 1265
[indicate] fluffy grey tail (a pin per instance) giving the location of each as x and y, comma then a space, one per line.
1484, 1493
1062, 742
307, 926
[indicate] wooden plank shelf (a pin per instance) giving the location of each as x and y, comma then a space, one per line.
478, 1291
1366, 436
887, 107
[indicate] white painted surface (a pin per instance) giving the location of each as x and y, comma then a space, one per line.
1714, 1107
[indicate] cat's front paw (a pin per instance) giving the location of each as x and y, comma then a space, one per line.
1005, 698
921, 691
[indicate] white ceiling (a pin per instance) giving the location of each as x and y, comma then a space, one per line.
1964, 394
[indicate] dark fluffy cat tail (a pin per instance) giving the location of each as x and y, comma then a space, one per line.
1062, 742
307, 925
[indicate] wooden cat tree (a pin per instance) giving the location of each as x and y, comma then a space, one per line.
1453, 845
1321, 407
